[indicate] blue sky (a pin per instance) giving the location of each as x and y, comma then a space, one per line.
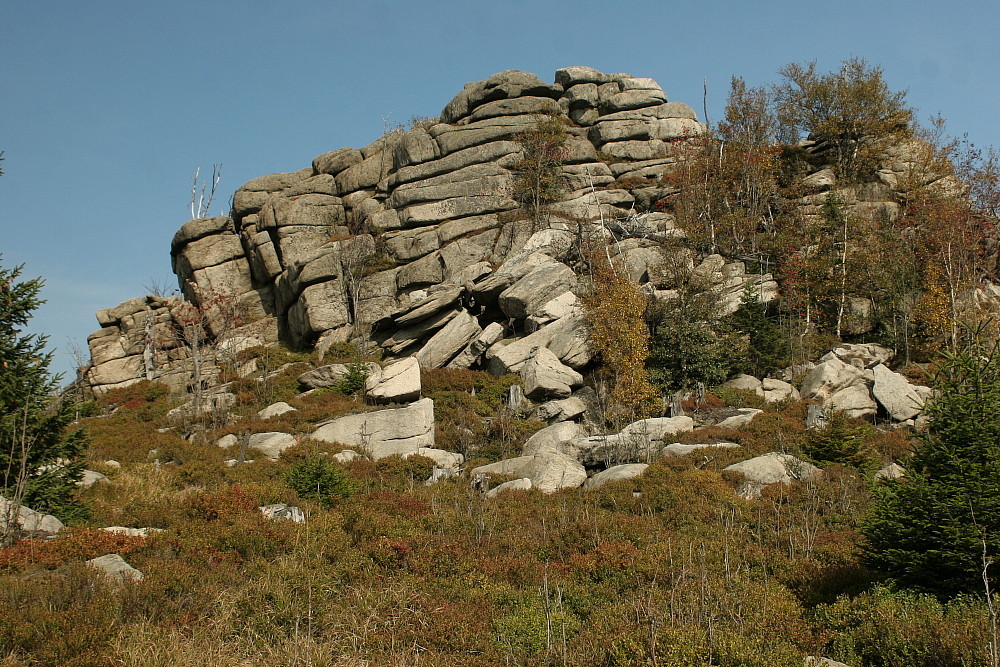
108, 107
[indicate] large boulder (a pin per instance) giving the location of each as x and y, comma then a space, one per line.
449, 341
114, 567
398, 383
271, 444
384, 432
895, 393
521, 484
554, 438
548, 471
27, 520
637, 442
771, 468
617, 473
547, 377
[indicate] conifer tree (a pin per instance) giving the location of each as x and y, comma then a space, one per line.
930, 530
39, 464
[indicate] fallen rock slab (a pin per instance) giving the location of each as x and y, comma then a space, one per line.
384, 432
617, 473
399, 383
283, 512
272, 443
895, 393
27, 519
274, 410
115, 567
771, 468
522, 484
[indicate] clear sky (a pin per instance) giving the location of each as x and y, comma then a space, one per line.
109, 106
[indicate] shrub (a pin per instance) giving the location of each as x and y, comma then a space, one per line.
317, 478
843, 440
354, 380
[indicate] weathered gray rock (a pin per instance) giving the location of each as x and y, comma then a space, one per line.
535, 289
522, 484
489, 336
891, 471
862, 355
515, 107
572, 76
347, 455
895, 393
829, 377
778, 390
283, 512
272, 443
438, 299
500, 153
384, 432
453, 138
632, 99
27, 520
745, 382
320, 307
442, 458
399, 383
855, 401
554, 438
331, 375
618, 473
771, 468
405, 338
91, 477
566, 338
742, 420
637, 442
133, 532
561, 410
449, 341
115, 568
274, 410
814, 661
548, 471
200, 228
547, 377
336, 161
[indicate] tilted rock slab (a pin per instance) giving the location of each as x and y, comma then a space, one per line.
616, 473
771, 468
548, 471
115, 567
895, 393
396, 383
636, 442
384, 432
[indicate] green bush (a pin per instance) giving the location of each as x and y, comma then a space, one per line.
316, 478
354, 381
843, 440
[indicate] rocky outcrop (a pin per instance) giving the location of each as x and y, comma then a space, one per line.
407, 241
855, 380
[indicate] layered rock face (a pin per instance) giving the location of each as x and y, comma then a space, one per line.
415, 243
